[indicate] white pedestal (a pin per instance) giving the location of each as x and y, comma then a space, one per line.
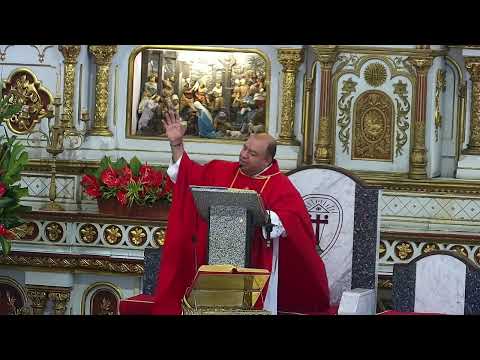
358, 302
469, 167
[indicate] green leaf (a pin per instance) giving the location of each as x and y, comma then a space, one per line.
135, 165
6, 245
119, 164
104, 164
6, 201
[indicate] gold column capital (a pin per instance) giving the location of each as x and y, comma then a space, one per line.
103, 54
326, 55
60, 298
421, 63
290, 58
70, 53
38, 299
472, 64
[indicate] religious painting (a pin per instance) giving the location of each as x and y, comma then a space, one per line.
12, 301
219, 93
373, 127
101, 299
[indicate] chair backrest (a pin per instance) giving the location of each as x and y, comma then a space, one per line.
437, 282
344, 214
152, 258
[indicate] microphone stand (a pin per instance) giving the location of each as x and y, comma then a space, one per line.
268, 229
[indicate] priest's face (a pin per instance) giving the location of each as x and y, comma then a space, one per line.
253, 156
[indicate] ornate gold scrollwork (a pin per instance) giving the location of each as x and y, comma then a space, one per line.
373, 133
401, 138
346, 60
402, 63
344, 107
26, 231
440, 86
23, 87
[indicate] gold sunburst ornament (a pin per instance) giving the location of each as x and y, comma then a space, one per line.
375, 74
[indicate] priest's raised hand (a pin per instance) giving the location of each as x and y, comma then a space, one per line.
175, 132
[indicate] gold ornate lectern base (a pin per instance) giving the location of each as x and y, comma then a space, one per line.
225, 290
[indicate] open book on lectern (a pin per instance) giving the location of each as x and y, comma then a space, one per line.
209, 196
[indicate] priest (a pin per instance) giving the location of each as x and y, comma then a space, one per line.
298, 282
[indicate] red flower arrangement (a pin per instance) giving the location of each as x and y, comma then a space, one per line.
130, 183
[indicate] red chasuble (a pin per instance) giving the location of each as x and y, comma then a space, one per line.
302, 281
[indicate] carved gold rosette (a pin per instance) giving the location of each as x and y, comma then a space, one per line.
103, 57
70, 54
290, 60
326, 56
418, 159
23, 87
473, 66
373, 129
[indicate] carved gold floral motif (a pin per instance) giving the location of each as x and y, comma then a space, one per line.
54, 232
344, 111
383, 249
440, 87
137, 236
113, 234
88, 233
372, 137
404, 250
429, 248
159, 236
460, 250
403, 108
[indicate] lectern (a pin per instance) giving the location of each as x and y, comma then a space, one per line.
232, 215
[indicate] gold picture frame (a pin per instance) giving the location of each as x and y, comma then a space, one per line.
221, 94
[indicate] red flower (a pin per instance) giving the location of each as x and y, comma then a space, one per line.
94, 191
126, 176
145, 174
6, 233
92, 187
122, 197
110, 178
89, 180
3, 189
